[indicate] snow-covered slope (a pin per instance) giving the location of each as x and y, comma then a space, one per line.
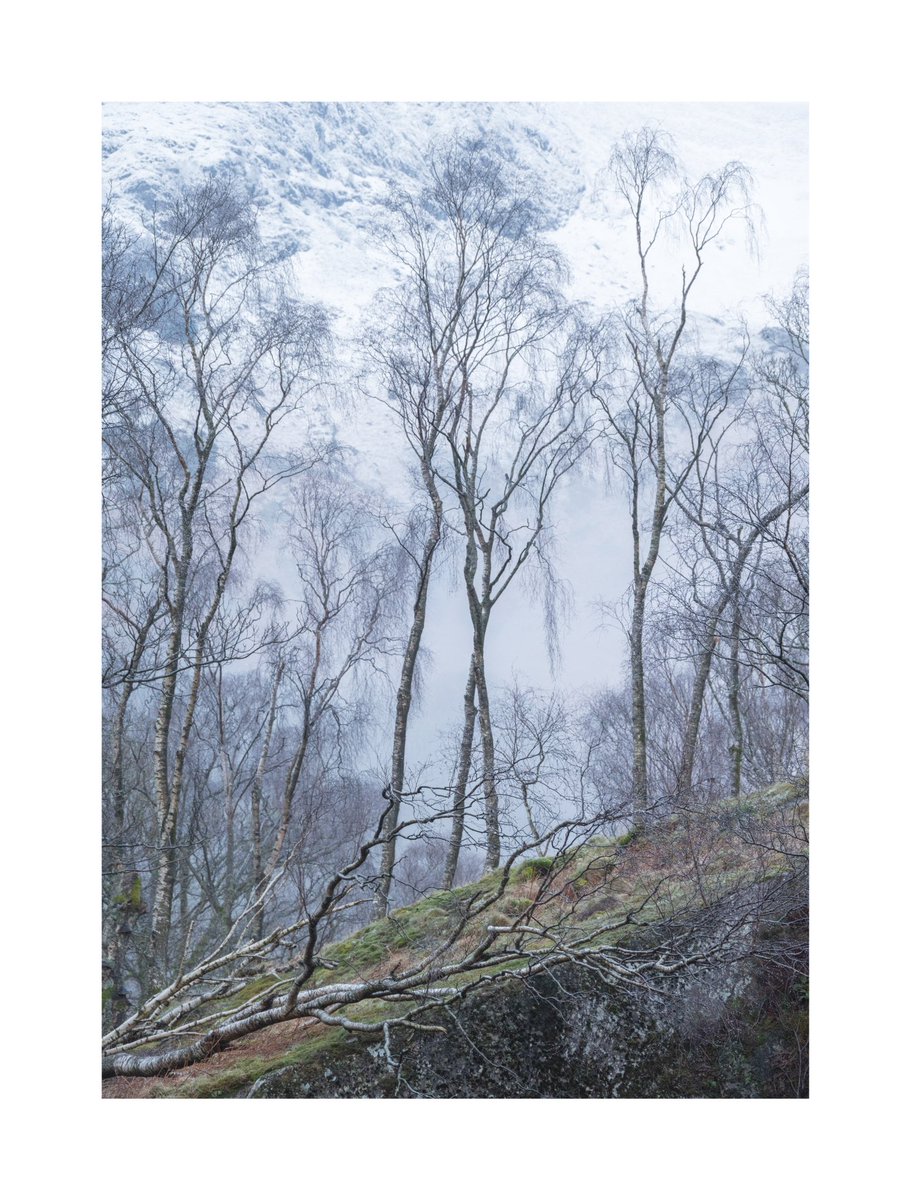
320, 170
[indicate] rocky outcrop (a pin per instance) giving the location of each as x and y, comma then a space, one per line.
734, 1028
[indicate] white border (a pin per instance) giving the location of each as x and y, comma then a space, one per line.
70, 58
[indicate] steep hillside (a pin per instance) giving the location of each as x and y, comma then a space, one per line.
682, 972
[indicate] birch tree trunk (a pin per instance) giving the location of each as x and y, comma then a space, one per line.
642, 574
735, 717
729, 590
647, 175
491, 799
256, 801
117, 928
405, 692
461, 784
694, 715
125, 886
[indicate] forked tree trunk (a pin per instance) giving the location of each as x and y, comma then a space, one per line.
730, 589
694, 716
166, 874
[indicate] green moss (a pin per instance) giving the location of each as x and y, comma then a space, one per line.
219, 1085
131, 898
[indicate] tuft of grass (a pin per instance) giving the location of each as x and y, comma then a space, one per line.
534, 868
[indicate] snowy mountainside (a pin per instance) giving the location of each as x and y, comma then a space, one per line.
319, 171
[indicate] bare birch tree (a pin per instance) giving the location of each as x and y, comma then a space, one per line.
511, 442
740, 506
641, 402
775, 636
479, 297
341, 631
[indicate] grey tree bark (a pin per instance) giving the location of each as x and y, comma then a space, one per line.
459, 792
735, 750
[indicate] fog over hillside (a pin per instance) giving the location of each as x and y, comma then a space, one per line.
320, 173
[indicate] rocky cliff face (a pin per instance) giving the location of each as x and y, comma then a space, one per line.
736, 1029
